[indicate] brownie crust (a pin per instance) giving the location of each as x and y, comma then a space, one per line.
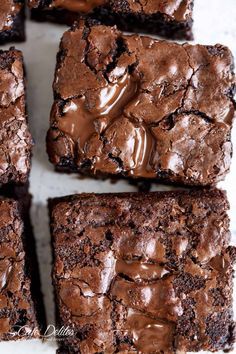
143, 273
15, 139
172, 19
12, 21
141, 108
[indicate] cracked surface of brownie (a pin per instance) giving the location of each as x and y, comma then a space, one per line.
12, 21
172, 18
141, 108
143, 273
19, 301
15, 138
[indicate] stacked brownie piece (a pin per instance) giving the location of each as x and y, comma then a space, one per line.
171, 19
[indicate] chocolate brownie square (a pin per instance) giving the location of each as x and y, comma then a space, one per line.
21, 306
137, 107
143, 273
172, 19
15, 138
12, 18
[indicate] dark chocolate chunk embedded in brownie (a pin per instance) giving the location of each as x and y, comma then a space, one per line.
21, 306
143, 273
12, 18
141, 108
171, 19
15, 138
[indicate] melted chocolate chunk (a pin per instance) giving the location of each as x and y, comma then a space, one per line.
143, 273
141, 108
15, 138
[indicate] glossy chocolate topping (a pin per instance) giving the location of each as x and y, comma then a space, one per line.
107, 105
8, 10
142, 108
16, 306
137, 273
15, 139
78, 5
158, 299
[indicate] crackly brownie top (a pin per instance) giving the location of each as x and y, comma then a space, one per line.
176, 10
8, 11
143, 273
15, 139
137, 106
16, 307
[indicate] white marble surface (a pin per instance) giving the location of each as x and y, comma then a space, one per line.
215, 22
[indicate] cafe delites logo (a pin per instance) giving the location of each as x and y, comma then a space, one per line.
51, 332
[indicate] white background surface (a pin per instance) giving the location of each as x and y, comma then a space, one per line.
215, 22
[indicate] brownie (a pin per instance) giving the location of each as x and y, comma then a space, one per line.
15, 138
21, 306
12, 18
143, 273
172, 19
21, 195
137, 107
